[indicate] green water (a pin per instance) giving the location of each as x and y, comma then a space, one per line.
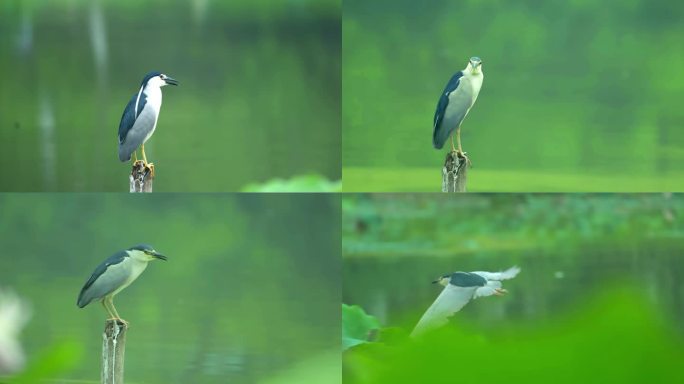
259, 94
550, 285
573, 92
598, 298
242, 298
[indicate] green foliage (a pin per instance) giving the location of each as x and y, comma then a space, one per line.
428, 179
55, 360
357, 326
441, 225
305, 183
321, 368
615, 337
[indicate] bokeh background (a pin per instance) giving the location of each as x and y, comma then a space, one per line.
577, 96
259, 94
599, 298
250, 292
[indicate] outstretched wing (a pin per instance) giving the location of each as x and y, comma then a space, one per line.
440, 133
489, 289
450, 301
130, 115
504, 275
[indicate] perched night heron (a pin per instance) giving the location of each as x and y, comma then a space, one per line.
459, 289
139, 119
116, 273
458, 97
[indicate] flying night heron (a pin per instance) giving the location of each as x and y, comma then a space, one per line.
459, 289
139, 119
114, 274
458, 97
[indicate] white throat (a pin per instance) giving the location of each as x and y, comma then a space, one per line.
154, 95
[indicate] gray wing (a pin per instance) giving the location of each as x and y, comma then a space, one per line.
128, 120
503, 275
450, 301
460, 100
438, 137
94, 288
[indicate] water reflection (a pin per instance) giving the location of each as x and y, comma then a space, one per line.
98, 39
25, 34
46, 123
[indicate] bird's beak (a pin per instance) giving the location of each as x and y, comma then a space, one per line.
436, 281
159, 255
171, 81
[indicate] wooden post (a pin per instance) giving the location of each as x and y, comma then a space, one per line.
455, 172
141, 177
113, 347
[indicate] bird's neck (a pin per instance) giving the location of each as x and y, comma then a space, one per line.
153, 95
470, 71
137, 267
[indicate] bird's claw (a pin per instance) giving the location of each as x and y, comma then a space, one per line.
119, 321
500, 291
149, 167
464, 155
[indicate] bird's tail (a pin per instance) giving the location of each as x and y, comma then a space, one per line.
439, 137
124, 153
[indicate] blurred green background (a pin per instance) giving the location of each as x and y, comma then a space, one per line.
259, 94
599, 298
250, 292
578, 95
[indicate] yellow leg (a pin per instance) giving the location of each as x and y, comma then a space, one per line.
458, 139
148, 165
460, 152
143, 153
109, 312
110, 301
135, 156
453, 149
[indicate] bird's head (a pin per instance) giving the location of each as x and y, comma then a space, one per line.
157, 79
145, 252
443, 280
474, 65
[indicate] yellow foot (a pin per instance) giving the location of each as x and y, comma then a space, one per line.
464, 155
500, 291
119, 320
147, 166
122, 321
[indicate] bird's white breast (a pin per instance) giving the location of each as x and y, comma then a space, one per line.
474, 81
134, 268
154, 101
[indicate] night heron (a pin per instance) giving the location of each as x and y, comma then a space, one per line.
139, 119
458, 97
459, 289
116, 273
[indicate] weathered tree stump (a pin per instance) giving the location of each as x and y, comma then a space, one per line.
113, 348
141, 178
455, 172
